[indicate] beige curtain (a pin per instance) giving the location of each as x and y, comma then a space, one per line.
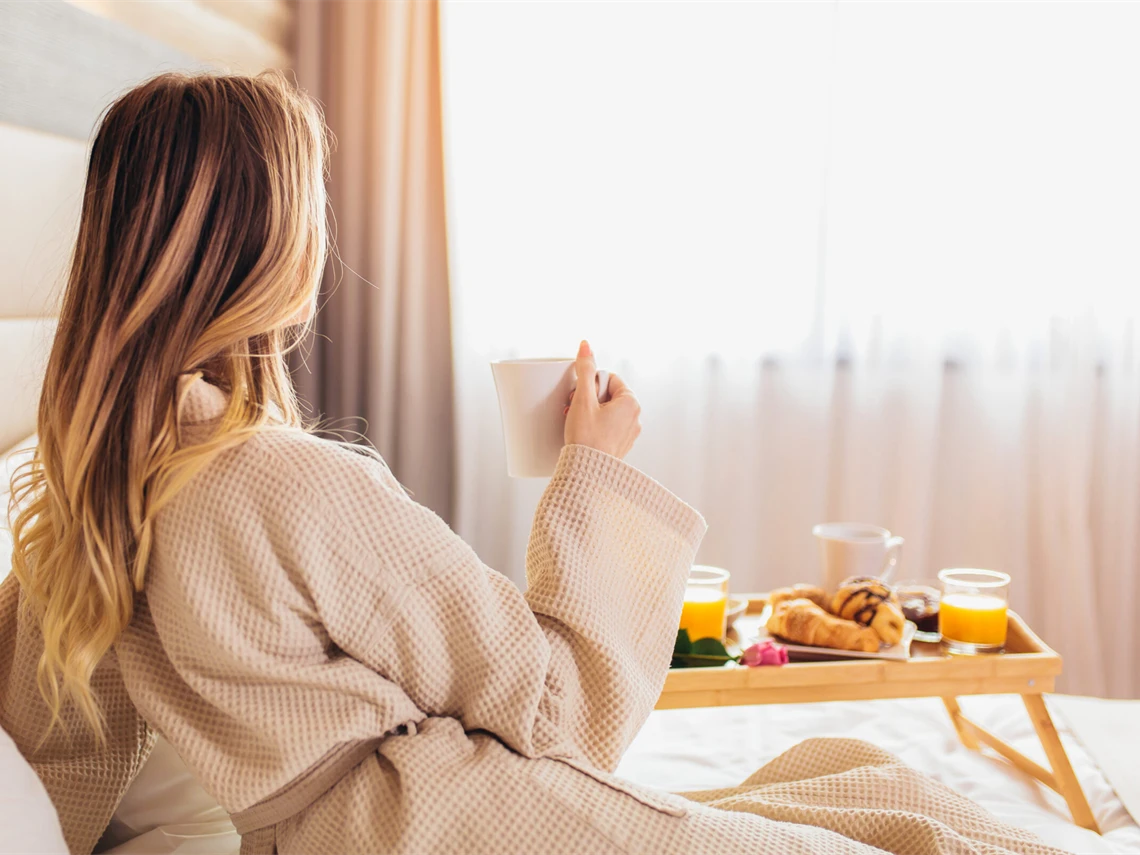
382, 349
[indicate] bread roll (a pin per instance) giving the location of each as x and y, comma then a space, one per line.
803, 622
799, 592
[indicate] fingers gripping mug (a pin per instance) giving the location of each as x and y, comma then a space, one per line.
532, 396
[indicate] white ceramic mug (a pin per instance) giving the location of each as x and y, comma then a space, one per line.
856, 549
532, 395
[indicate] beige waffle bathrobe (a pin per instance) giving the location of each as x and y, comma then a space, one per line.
344, 675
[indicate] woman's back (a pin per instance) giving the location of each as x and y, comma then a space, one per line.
228, 654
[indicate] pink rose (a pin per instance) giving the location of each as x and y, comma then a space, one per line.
764, 653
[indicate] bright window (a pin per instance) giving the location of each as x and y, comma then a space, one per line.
781, 178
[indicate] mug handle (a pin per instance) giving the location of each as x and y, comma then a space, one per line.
603, 384
894, 546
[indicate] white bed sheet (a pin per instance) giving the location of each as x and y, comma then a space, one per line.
721, 746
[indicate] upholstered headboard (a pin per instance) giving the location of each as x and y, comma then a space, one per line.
42, 176
61, 64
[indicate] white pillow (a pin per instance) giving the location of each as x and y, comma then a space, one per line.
9, 460
28, 822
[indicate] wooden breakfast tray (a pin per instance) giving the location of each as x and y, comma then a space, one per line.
1028, 668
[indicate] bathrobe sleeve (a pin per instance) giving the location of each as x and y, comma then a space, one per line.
572, 667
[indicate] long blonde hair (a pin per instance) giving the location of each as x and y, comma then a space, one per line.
201, 242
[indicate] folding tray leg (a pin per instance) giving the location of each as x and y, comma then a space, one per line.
961, 724
1067, 784
1061, 778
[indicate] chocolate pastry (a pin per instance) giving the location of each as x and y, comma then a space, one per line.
870, 602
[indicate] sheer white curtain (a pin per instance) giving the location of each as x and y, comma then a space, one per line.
859, 261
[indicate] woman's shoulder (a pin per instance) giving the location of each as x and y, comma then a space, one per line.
305, 447
286, 483
275, 456
287, 473
286, 457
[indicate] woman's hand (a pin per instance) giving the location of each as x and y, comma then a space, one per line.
612, 426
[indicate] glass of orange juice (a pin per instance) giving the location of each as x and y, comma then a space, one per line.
706, 597
972, 618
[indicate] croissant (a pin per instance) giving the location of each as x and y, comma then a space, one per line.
797, 592
803, 622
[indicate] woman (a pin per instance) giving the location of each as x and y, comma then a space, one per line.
332, 662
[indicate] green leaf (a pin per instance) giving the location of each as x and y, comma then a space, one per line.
702, 653
709, 647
